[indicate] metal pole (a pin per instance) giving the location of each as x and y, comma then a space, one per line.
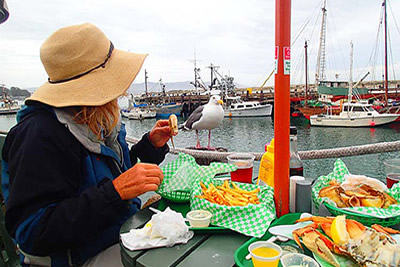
386, 57
282, 106
145, 82
306, 72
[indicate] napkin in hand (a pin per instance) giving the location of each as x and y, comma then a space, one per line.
165, 228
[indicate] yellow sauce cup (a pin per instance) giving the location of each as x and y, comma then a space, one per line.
265, 254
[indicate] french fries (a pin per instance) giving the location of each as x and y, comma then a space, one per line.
226, 195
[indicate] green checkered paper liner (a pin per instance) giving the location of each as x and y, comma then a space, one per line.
182, 174
251, 220
339, 171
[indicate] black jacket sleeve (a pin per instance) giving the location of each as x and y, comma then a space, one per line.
147, 152
46, 167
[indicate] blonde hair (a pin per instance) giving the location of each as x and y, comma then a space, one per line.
99, 118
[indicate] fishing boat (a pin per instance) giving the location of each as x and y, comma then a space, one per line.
329, 92
8, 106
238, 108
166, 109
354, 114
138, 113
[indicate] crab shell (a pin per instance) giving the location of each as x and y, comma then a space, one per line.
361, 195
367, 246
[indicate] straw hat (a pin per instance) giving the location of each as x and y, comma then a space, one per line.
84, 69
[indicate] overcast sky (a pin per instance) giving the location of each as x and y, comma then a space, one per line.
236, 35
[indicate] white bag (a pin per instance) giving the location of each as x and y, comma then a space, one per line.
165, 229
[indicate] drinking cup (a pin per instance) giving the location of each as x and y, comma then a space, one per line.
265, 253
244, 162
392, 171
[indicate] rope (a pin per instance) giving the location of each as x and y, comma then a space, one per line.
304, 155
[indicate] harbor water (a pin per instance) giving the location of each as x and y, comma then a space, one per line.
251, 134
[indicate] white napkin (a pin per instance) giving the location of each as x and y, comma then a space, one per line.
165, 228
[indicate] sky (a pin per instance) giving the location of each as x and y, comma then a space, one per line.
236, 35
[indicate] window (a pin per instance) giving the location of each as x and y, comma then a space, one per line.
249, 106
358, 109
240, 106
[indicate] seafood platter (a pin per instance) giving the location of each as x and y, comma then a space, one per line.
359, 197
331, 241
357, 233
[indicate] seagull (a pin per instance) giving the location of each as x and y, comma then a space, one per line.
206, 117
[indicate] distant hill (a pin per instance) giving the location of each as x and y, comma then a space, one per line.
138, 88
16, 92
31, 89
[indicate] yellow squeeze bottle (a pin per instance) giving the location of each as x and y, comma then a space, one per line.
266, 170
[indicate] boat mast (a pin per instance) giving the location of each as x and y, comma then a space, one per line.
213, 68
320, 73
145, 82
386, 56
350, 96
306, 60
196, 73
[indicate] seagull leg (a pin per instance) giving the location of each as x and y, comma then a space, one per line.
209, 141
198, 140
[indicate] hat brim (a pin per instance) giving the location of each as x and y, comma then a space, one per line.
95, 88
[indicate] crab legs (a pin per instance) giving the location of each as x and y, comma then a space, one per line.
376, 240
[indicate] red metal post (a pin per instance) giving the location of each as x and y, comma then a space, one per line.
282, 106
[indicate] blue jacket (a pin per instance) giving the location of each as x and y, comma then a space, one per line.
60, 200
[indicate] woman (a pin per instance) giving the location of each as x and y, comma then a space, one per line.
68, 179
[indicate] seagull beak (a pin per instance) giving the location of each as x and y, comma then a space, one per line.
220, 102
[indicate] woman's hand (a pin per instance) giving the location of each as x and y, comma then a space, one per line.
139, 179
160, 134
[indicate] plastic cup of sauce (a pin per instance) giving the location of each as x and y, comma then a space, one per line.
265, 254
244, 162
298, 260
392, 170
199, 218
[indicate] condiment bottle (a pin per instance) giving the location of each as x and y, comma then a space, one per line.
266, 170
296, 165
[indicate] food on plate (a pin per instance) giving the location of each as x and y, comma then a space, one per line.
173, 126
356, 195
368, 246
229, 196
338, 230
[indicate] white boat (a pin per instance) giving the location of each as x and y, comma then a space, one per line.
9, 106
238, 108
138, 113
354, 114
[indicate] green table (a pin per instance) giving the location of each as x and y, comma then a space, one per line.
205, 249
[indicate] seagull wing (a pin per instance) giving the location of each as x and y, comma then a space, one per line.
194, 117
